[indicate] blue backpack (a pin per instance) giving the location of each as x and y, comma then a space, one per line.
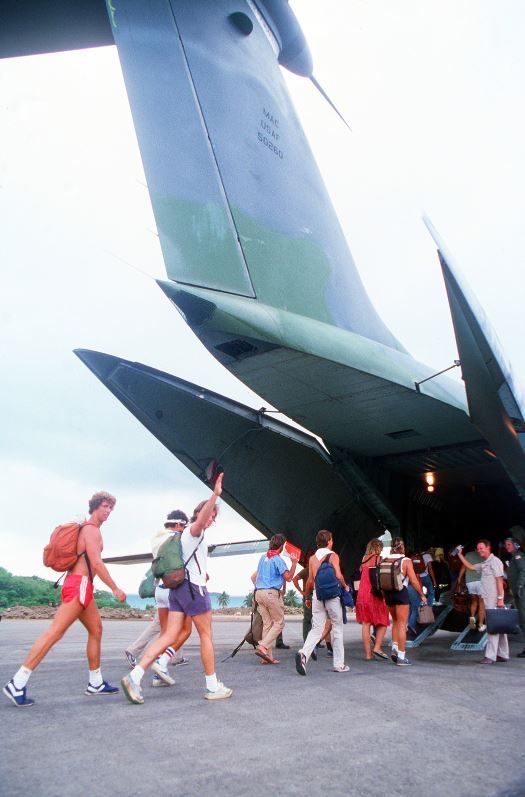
327, 585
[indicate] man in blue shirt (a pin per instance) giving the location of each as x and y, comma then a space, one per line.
272, 572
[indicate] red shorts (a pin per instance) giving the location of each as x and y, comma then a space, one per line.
77, 586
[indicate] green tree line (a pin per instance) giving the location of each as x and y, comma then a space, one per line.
35, 591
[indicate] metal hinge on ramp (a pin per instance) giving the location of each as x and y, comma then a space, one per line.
470, 639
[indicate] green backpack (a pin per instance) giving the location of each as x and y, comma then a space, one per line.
169, 564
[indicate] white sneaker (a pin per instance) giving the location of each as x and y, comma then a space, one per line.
162, 674
131, 690
343, 668
221, 693
472, 623
157, 682
482, 628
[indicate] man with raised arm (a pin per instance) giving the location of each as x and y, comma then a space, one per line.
77, 604
189, 599
493, 594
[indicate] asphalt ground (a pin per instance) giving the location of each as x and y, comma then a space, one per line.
446, 726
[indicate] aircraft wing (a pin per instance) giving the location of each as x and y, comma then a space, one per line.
219, 549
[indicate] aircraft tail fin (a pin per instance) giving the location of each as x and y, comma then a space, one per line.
239, 202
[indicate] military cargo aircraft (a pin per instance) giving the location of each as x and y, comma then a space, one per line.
272, 291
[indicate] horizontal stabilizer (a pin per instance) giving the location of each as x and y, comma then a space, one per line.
349, 390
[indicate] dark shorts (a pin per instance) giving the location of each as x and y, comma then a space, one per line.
190, 599
396, 597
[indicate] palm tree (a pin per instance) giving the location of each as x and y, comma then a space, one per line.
223, 600
248, 601
291, 599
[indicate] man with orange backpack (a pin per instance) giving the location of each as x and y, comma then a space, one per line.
77, 548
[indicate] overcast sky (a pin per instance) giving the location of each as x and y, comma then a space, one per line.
434, 94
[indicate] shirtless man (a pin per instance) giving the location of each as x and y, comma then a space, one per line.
77, 604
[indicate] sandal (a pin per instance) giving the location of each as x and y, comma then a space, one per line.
259, 651
380, 655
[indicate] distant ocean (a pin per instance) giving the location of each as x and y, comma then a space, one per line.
141, 603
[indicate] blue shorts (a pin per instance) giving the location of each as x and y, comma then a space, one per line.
190, 599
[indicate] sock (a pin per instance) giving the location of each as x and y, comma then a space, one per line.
211, 683
22, 677
395, 649
401, 655
136, 675
95, 677
164, 659
329, 646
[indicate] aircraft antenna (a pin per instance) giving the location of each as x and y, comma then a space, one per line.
131, 265
329, 101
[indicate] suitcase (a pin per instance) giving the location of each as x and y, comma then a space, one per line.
502, 621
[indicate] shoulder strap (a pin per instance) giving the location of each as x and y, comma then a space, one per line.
194, 554
326, 558
86, 557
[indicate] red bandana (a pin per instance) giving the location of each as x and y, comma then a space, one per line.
269, 554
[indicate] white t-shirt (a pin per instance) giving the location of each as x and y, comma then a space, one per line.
189, 544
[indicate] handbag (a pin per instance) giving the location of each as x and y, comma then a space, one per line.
425, 615
375, 589
373, 575
502, 621
460, 599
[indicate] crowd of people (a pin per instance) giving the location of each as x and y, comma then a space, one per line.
423, 579
391, 591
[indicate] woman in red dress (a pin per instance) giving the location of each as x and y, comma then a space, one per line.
371, 610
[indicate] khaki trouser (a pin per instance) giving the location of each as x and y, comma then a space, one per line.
271, 609
150, 633
321, 612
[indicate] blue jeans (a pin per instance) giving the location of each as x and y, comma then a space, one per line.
427, 582
415, 600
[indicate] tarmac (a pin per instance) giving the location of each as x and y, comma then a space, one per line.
447, 726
